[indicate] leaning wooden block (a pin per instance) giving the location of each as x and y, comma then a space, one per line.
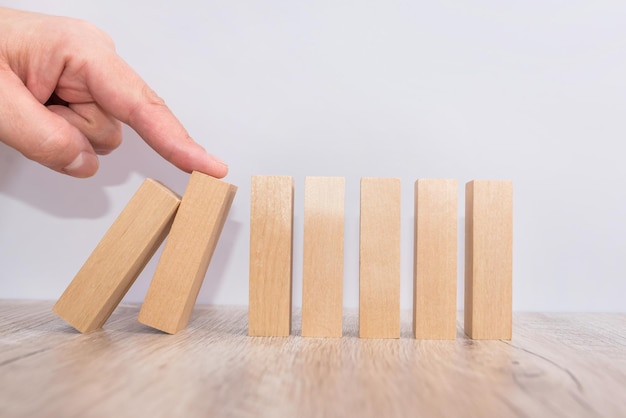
488, 259
123, 252
435, 263
322, 275
187, 253
379, 259
271, 235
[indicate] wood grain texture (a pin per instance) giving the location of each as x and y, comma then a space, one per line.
322, 273
187, 253
488, 259
379, 258
435, 262
119, 257
271, 237
556, 365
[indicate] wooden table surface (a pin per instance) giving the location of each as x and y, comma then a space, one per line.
562, 365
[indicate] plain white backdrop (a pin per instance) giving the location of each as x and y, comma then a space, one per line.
534, 92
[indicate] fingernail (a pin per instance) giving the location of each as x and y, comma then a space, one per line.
84, 165
219, 168
217, 160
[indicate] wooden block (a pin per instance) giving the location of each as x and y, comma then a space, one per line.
435, 263
379, 259
488, 259
187, 253
322, 275
271, 236
119, 257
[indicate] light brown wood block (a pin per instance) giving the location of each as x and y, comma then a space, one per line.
119, 257
322, 273
271, 237
488, 259
435, 262
187, 253
379, 258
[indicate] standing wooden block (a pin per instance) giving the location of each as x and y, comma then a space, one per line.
187, 253
322, 275
119, 257
271, 235
435, 263
488, 259
379, 259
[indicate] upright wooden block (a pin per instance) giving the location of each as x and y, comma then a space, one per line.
271, 236
187, 253
435, 263
379, 259
322, 275
488, 259
119, 257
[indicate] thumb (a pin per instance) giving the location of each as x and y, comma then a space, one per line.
39, 134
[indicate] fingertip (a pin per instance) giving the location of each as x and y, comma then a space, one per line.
211, 165
84, 165
219, 168
191, 156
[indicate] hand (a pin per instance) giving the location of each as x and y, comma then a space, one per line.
64, 92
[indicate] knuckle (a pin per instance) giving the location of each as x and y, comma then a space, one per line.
151, 97
150, 103
82, 36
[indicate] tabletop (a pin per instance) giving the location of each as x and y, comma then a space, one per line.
557, 364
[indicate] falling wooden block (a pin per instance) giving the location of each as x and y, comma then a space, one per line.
488, 259
187, 253
271, 235
379, 259
322, 275
435, 263
119, 257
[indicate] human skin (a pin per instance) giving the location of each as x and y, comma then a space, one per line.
64, 94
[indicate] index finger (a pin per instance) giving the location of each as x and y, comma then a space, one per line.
119, 90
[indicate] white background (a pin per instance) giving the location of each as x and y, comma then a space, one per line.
529, 91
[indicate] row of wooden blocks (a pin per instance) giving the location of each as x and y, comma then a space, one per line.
488, 258
194, 225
